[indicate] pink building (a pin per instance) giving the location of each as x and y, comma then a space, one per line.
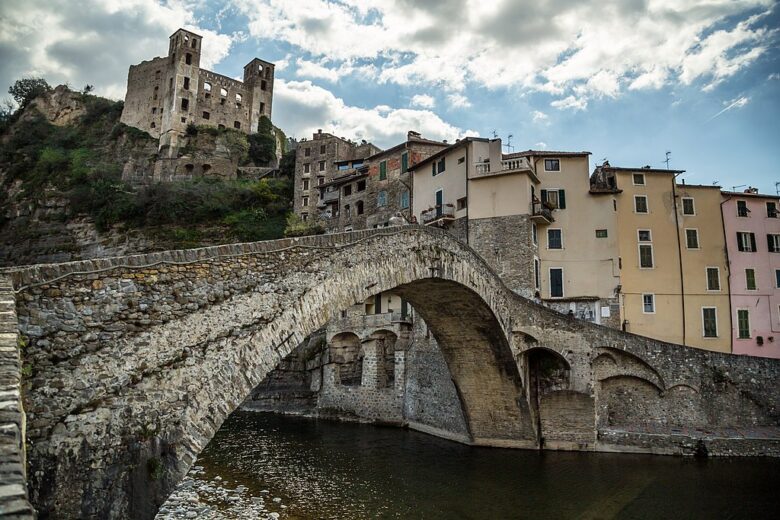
752, 229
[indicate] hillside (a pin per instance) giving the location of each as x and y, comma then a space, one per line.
64, 197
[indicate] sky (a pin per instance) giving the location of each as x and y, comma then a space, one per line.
627, 80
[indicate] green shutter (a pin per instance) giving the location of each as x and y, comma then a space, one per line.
404, 162
433, 168
770, 243
544, 196
383, 170
753, 242
561, 199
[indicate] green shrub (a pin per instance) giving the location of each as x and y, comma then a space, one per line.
297, 227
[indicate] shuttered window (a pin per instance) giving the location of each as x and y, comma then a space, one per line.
555, 198
404, 162
709, 318
743, 324
746, 242
713, 279
750, 279
773, 243
383, 170
556, 283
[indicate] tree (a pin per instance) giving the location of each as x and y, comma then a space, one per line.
88, 88
287, 165
25, 90
262, 145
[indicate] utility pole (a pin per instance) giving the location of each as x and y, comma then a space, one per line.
668, 154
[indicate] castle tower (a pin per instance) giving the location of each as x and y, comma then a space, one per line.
259, 80
183, 71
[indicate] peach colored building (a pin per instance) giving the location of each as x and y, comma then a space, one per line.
752, 229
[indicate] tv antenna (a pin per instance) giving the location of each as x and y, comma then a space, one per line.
777, 188
508, 145
668, 154
734, 188
495, 134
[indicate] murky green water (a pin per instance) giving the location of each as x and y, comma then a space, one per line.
332, 470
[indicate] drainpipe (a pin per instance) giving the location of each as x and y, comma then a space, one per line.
728, 276
679, 251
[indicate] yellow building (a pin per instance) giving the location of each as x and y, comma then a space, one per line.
673, 266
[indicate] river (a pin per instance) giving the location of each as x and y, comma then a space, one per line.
269, 466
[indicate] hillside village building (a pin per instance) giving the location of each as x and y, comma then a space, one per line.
752, 231
165, 95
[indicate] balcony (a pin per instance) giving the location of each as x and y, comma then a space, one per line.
438, 215
329, 196
541, 214
371, 321
486, 169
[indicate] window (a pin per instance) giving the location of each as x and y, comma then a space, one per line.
262, 108
644, 235
552, 165
750, 279
207, 87
347, 211
194, 43
640, 204
648, 303
404, 162
188, 58
554, 239
556, 282
344, 166
221, 127
206, 115
777, 278
154, 110
238, 99
183, 119
383, 170
534, 233
306, 167
460, 203
322, 166
688, 207
222, 101
742, 210
440, 166
746, 242
709, 319
381, 199
361, 186
601, 233
223, 92
347, 190
320, 181
537, 283
359, 207
236, 125
170, 83
713, 279
771, 210
555, 198
186, 83
323, 149
692, 238
639, 179
743, 324
404, 199
262, 85
153, 125
773, 242
307, 152
185, 104
645, 256
305, 184
461, 160
305, 201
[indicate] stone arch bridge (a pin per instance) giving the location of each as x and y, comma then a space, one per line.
129, 365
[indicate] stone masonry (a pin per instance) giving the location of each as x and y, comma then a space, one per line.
136, 361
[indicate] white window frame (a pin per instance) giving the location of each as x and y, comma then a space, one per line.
717, 325
698, 244
305, 201
776, 240
552, 159
707, 278
534, 234
647, 205
633, 179
649, 234
652, 295
693, 205
746, 248
639, 253
736, 328
557, 192
548, 239
549, 282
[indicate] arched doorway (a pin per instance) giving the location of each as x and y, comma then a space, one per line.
347, 356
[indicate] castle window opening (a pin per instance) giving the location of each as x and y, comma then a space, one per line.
347, 211
189, 167
222, 101
186, 83
186, 38
236, 124
322, 148
156, 75
223, 92
188, 59
238, 99
322, 166
194, 43
347, 190
262, 85
206, 115
153, 125
183, 119
207, 87
154, 110
220, 127
260, 68
185, 104
206, 168
170, 83
359, 207
361, 185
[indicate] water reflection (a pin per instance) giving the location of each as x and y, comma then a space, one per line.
324, 469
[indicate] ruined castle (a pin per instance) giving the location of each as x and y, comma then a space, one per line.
165, 95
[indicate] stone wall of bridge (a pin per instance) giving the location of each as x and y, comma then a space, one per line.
136, 361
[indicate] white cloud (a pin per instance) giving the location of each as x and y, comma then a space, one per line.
539, 117
93, 42
737, 102
587, 48
423, 101
541, 145
310, 69
458, 101
774, 76
570, 103
303, 107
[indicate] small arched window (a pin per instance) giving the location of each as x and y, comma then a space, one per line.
223, 92
189, 167
206, 168
238, 98
207, 86
188, 59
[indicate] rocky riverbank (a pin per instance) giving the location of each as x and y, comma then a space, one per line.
198, 497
